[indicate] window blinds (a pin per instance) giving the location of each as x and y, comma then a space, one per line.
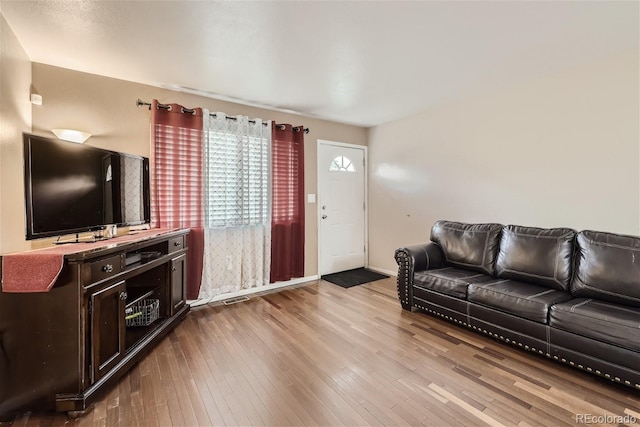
236, 165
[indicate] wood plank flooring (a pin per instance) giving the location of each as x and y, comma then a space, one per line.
322, 355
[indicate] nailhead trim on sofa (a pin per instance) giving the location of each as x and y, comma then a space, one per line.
526, 347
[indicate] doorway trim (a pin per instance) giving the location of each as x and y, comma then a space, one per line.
322, 142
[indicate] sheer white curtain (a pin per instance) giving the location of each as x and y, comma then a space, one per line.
237, 224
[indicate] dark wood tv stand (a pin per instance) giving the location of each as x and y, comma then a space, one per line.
59, 350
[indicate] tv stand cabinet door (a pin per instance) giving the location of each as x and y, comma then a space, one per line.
178, 281
107, 314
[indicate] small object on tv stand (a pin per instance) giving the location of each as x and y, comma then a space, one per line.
77, 239
111, 231
137, 228
150, 255
132, 258
105, 232
102, 233
62, 242
135, 257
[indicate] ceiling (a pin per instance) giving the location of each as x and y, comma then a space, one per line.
361, 63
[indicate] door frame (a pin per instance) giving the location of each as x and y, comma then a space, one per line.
324, 142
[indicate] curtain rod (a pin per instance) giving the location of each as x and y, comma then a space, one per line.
140, 103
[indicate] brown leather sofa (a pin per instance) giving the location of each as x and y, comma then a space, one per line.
571, 296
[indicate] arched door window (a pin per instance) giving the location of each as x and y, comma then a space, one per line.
342, 164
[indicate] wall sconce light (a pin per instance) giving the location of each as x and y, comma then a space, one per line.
71, 135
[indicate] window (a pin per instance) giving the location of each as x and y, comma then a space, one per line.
236, 180
342, 164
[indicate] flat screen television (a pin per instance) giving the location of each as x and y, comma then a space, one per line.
73, 188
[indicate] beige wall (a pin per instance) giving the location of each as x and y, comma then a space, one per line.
106, 108
15, 118
563, 150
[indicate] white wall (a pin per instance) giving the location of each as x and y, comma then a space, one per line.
15, 118
563, 150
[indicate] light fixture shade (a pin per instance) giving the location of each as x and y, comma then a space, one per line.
71, 135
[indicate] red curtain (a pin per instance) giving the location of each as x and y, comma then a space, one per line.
287, 222
176, 180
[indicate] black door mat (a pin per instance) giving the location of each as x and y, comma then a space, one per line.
354, 277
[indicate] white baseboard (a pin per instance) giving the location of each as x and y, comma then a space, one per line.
243, 292
383, 271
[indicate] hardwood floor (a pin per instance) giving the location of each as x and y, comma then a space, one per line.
323, 355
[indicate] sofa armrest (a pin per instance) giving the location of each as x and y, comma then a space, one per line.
411, 259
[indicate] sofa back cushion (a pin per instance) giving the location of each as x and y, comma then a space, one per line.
608, 268
542, 256
470, 246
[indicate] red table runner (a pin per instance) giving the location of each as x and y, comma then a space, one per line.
37, 270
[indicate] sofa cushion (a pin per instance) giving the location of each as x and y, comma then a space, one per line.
602, 321
469, 246
449, 280
518, 298
607, 268
537, 255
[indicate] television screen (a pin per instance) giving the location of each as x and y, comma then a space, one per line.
71, 188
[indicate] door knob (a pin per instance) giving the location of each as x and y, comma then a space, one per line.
324, 217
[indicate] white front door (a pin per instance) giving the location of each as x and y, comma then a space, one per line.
341, 207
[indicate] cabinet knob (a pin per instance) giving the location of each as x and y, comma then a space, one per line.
177, 243
107, 268
174, 268
124, 295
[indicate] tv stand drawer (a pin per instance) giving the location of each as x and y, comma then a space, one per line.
106, 267
176, 244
